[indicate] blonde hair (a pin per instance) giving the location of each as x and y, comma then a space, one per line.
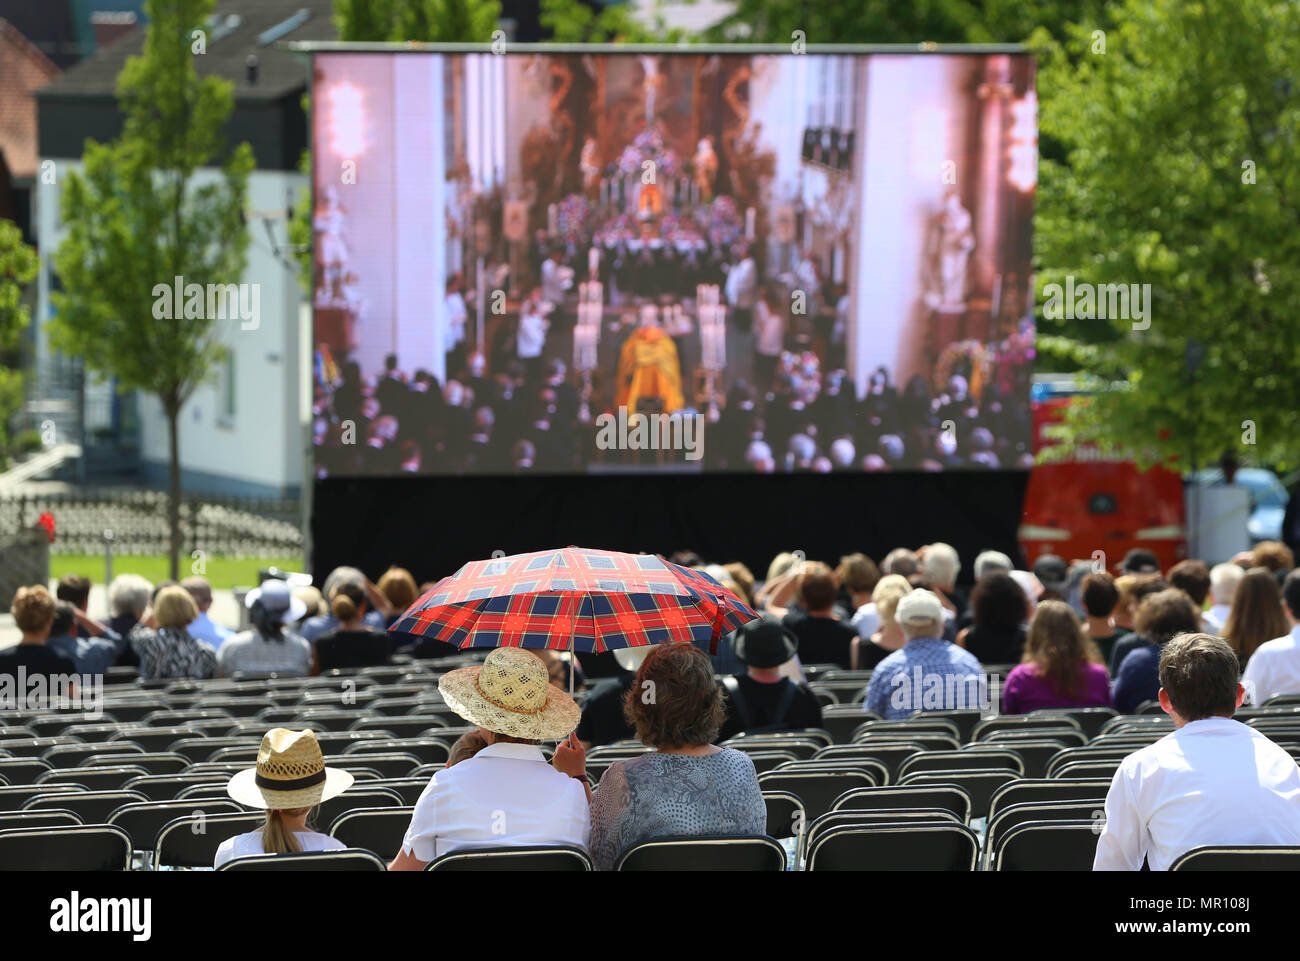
780, 565
890, 589
32, 608
276, 836
175, 607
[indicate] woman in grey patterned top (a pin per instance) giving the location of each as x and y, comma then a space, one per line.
687, 786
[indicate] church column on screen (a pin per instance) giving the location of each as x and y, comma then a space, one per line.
419, 214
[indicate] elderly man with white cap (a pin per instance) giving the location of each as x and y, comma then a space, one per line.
928, 673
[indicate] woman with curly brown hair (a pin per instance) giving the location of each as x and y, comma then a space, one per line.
688, 786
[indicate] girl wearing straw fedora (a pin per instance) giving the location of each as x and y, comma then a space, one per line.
290, 779
506, 794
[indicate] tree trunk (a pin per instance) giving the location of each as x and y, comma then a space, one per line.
174, 488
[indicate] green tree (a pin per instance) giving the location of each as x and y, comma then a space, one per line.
1179, 171
141, 215
571, 21
17, 270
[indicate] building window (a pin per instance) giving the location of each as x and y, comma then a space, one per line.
227, 385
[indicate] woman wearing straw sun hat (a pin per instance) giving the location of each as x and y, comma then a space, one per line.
290, 779
506, 794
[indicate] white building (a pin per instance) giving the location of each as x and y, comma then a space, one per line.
246, 432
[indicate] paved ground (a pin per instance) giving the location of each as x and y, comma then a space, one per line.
225, 610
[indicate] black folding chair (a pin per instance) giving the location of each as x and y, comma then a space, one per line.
1010, 817
85, 847
842, 720
23, 770
557, 857
1047, 846
344, 860
1035, 754
1023, 722
156, 762
354, 799
965, 720
13, 797
1239, 857
979, 784
920, 845
786, 817
873, 768
891, 755
410, 788
1086, 769
816, 789
963, 761
428, 749
165, 787
1010, 737
157, 738
949, 797
192, 841
381, 830
142, 820
93, 807
93, 778
1027, 790
1099, 752
53, 818
66, 756
391, 764
1090, 719
705, 854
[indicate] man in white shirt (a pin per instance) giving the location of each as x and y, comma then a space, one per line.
1274, 668
507, 794
1223, 584
556, 279
1212, 781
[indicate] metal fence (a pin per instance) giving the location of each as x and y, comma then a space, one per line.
234, 527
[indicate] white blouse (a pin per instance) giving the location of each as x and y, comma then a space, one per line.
242, 845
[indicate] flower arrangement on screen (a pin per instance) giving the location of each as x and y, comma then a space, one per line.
573, 215
649, 145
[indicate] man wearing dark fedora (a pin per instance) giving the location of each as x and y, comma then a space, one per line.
763, 698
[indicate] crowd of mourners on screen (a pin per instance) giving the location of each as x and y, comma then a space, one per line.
1198, 641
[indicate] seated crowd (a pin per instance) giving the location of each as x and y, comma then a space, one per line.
1056, 636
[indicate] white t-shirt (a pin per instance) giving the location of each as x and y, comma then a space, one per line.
457, 314
506, 794
769, 330
532, 334
1274, 668
242, 845
1213, 781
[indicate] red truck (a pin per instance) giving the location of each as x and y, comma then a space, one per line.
1077, 507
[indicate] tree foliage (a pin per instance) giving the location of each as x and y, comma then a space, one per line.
1179, 171
139, 215
17, 270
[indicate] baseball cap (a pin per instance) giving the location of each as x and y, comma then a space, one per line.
919, 605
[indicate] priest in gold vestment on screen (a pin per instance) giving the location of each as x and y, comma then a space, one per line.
648, 367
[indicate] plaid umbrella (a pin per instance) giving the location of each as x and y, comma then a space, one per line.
575, 599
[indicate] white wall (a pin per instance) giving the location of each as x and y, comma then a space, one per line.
261, 446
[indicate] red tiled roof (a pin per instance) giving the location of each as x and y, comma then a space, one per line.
23, 69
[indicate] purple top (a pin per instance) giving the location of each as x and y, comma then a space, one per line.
1026, 690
